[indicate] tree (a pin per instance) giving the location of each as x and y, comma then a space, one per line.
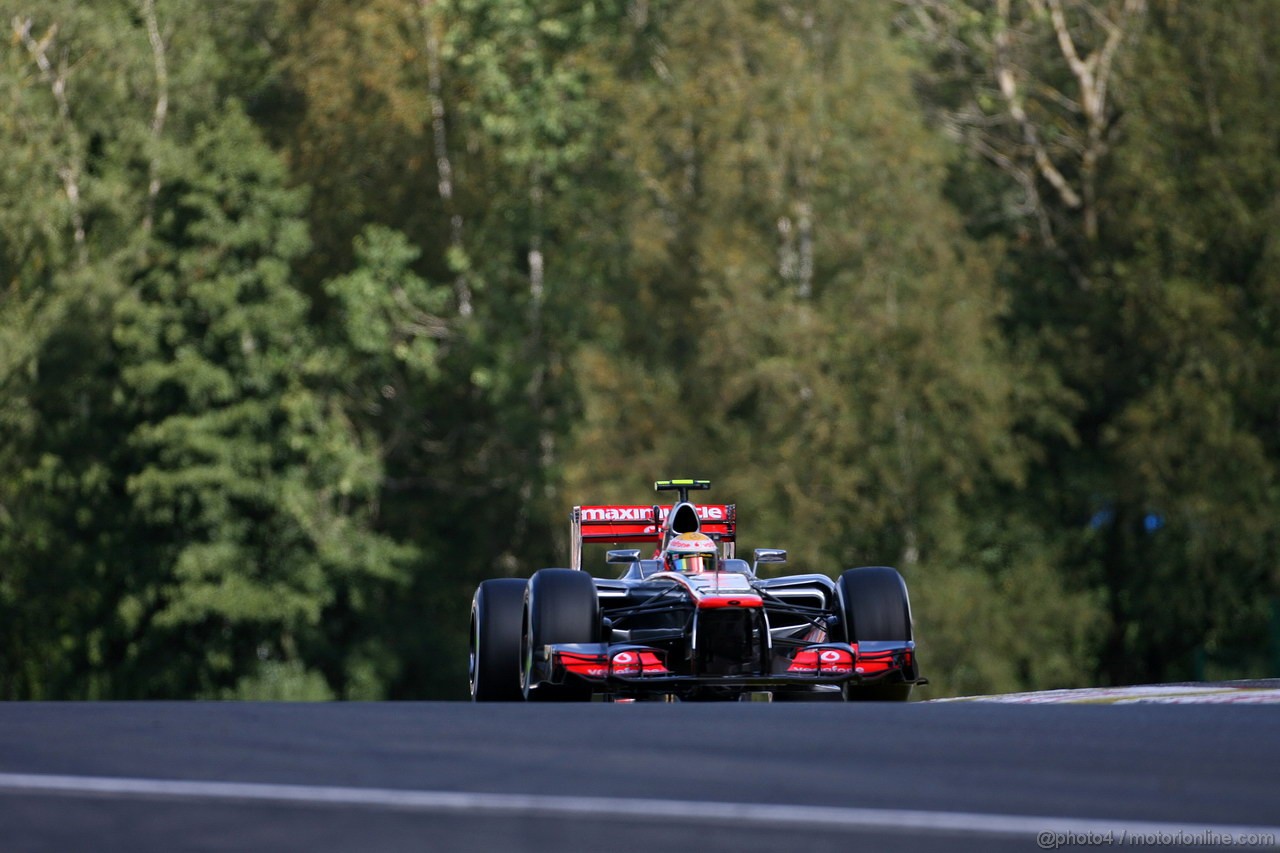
247, 484
1186, 414
57, 264
478, 116
1028, 86
186, 505
1142, 295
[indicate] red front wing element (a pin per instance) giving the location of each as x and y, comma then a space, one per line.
824, 661
873, 660
627, 661
829, 663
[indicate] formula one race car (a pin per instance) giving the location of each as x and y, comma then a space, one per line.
690, 623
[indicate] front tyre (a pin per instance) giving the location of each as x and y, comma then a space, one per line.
497, 614
560, 606
874, 607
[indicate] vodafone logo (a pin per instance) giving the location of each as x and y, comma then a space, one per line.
830, 656
696, 546
624, 658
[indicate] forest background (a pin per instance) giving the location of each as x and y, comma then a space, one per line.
315, 313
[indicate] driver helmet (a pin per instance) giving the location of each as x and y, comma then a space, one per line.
691, 554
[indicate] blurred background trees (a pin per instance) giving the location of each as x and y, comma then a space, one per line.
314, 313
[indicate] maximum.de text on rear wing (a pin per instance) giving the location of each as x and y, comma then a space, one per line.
618, 525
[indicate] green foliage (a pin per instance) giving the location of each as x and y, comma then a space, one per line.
248, 480
1161, 494
1187, 428
1001, 617
186, 502
282, 682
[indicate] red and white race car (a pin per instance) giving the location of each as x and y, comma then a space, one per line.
692, 622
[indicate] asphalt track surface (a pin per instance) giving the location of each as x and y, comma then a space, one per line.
596, 777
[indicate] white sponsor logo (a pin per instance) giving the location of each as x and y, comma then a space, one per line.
706, 513
613, 513
830, 655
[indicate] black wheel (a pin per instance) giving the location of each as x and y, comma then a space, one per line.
560, 606
874, 606
497, 615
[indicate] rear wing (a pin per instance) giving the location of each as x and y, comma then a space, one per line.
618, 525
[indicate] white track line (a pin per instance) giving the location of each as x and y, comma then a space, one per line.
537, 805
1163, 693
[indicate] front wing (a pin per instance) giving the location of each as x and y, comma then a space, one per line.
639, 668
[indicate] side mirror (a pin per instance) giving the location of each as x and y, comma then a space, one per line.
768, 555
623, 555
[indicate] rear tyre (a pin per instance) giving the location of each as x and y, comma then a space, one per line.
497, 614
560, 606
874, 606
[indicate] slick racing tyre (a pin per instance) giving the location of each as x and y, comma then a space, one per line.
497, 614
874, 606
560, 606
